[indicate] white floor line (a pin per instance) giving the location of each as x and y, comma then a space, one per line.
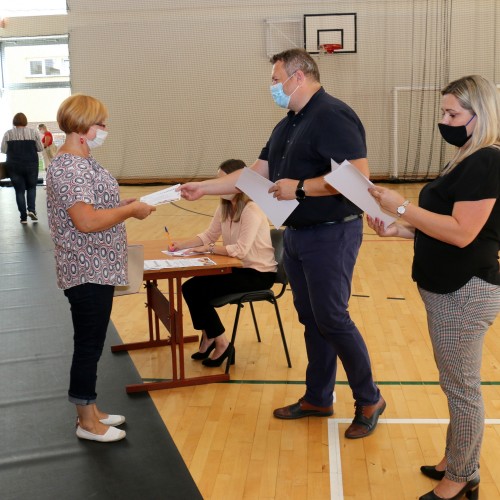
336, 489
337, 492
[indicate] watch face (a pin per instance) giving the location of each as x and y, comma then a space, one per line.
401, 210
300, 194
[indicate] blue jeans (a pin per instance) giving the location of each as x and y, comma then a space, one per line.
90, 310
319, 261
24, 177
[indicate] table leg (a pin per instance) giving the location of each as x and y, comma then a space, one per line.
172, 328
154, 386
169, 313
156, 303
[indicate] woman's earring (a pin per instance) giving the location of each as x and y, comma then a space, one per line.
81, 140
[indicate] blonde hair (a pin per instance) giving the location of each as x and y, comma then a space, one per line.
479, 96
79, 112
241, 199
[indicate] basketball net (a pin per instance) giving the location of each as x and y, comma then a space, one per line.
328, 49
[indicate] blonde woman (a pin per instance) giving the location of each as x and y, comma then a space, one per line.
86, 220
456, 227
246, 236
49, 148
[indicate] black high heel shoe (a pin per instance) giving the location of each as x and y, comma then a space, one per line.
432, 472
470, 490
230, 351
203, 355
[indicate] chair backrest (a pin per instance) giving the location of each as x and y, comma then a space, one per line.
277, 240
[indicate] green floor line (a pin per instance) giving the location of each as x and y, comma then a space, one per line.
302, 382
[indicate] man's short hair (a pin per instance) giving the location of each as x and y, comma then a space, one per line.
297, 59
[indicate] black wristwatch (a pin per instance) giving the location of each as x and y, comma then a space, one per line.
300, 192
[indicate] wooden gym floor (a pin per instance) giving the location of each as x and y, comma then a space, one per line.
226, 433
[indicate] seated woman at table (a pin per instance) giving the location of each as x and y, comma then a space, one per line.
246, 236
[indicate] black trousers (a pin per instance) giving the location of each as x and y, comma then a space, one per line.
200, 290
91, 310
24, 177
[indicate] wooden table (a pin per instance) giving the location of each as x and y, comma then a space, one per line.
168, 309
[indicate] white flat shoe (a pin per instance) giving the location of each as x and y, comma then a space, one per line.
112, 434
113, 420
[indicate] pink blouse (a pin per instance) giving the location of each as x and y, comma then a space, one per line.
248, 240
99, 257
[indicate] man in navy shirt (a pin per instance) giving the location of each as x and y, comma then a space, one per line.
323, 234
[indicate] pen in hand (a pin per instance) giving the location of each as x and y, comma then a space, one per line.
170, 246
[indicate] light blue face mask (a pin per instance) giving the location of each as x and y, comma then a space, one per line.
278, 94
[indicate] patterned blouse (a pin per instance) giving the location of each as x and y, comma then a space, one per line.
99, 257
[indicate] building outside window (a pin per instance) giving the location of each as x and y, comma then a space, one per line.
34, 70
35, 76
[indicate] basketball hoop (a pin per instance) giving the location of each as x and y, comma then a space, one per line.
329, 48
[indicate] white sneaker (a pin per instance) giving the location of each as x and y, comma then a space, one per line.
112, 434
113, 420
33, 216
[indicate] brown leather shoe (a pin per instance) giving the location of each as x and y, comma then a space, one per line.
365, 419
302, 409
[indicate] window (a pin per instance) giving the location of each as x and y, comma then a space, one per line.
34, 62
43, 67
35, 79
9, 8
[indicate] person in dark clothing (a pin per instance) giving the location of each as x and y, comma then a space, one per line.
322, 237
21, 145
456, 232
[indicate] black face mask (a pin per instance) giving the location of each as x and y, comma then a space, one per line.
457, 136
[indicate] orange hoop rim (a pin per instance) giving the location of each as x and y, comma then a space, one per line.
330, 48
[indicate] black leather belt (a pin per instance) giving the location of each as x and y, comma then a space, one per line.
348, 218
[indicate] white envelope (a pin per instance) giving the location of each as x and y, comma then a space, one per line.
166, 195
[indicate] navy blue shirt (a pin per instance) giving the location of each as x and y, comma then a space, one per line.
301, 146
439, 267
21, 145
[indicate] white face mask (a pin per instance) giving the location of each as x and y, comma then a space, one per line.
227, 197
100, 136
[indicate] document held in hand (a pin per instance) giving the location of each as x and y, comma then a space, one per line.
350, 182
257, 187
164, 196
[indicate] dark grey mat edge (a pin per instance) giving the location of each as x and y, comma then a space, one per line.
40, 456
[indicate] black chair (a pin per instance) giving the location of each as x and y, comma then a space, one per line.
239, 299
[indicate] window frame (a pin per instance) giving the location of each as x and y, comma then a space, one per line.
38, 40
63, 62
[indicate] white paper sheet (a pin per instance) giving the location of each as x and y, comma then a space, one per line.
257, 187
349, 181
151, 265
164, 196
